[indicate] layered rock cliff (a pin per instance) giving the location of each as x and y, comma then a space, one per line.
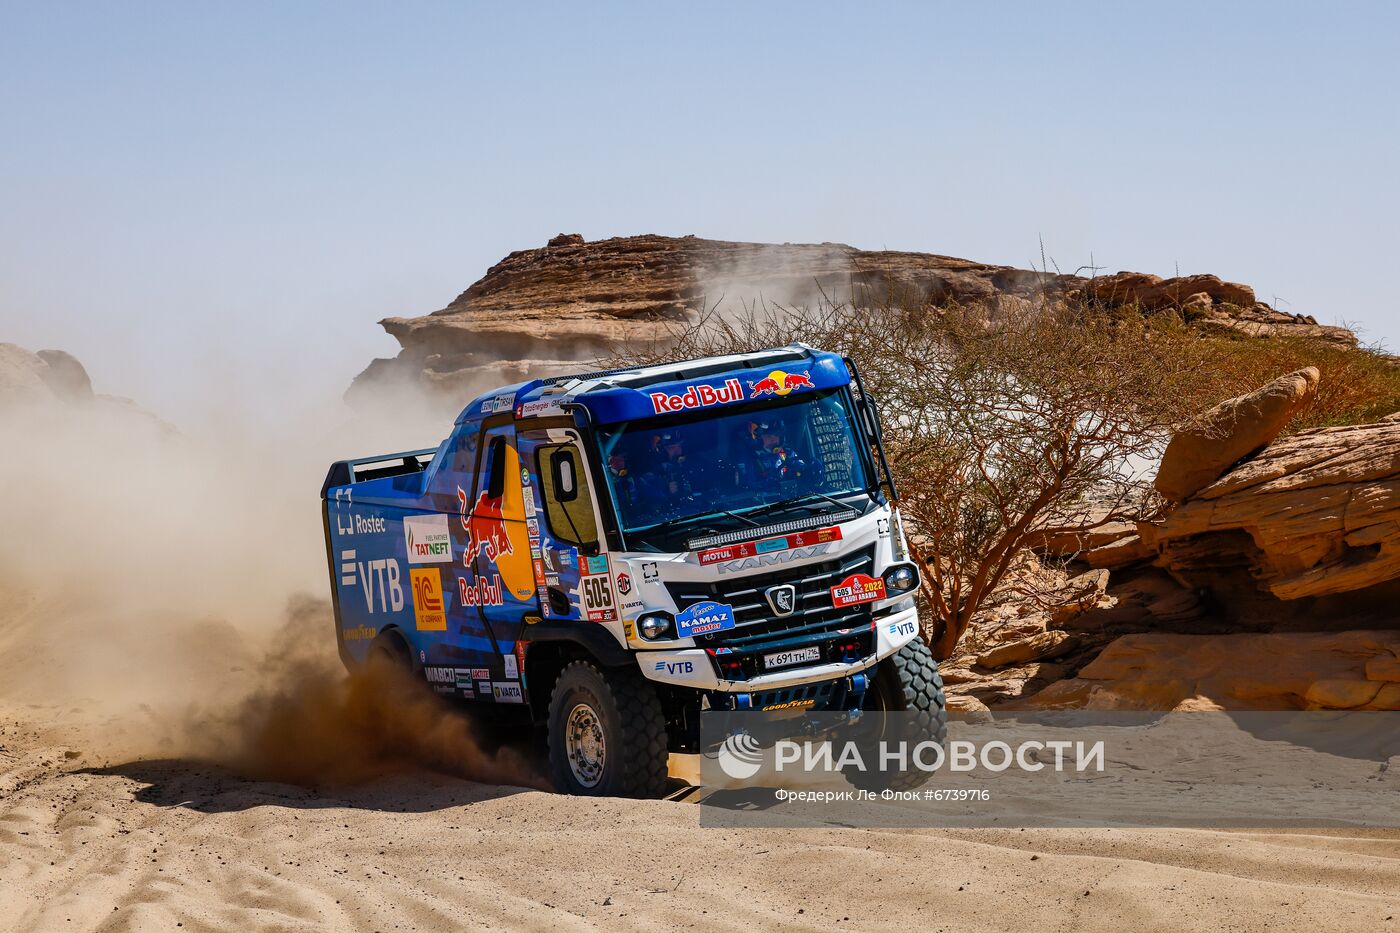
544, 311
1269, 583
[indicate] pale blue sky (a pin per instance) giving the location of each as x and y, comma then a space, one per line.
201, 199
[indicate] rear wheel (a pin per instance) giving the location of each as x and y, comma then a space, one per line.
908, 686
389, 648
607, 733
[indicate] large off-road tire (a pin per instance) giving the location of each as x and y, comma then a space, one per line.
907, 684
390, 649
607, 733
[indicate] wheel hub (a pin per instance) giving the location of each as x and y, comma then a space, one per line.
583, 740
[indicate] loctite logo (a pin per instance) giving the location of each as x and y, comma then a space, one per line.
701, 396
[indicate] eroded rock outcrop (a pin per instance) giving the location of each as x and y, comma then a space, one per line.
46, 376
540, 312
1314, 514
1231, 431
1291, 670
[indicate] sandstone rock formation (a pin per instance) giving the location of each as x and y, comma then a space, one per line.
544, 311
1293, 670
1236, 428
46, 376
1315, 514
54, 381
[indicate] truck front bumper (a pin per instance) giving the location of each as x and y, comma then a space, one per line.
692, 667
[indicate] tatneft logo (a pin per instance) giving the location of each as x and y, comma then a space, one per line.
698, 396
777, 557
427, 539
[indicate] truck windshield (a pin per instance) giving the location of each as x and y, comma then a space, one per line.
675, 476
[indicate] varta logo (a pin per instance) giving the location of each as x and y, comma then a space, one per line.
777, 557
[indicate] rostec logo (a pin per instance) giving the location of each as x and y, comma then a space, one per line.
676, 667
427, 539
485, 527
777, 557
428, 610
379, 577
780, 383
698, 396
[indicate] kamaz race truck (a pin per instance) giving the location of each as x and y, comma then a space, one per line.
612, 553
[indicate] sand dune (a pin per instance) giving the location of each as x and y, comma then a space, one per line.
143, 844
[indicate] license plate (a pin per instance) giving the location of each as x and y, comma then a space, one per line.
796, 656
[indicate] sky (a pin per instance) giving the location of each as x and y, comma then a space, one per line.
215, 203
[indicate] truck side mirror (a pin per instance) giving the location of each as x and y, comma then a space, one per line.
870, 417
563, 469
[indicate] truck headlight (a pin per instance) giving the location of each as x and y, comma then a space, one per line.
901, 578
654, 625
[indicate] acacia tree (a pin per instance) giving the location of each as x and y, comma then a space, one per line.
996, 419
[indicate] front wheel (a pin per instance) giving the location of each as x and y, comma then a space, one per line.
607, 733
908, 686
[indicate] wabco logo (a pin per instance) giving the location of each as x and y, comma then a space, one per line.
676, 667
769, 560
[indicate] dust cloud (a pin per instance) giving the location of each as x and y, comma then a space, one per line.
163, 592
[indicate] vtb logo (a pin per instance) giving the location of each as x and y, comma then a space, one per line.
428, 610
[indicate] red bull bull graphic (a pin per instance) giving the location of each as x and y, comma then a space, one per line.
485, 527
780, 383
698, 396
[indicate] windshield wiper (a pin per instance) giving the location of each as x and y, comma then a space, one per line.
799, 500
693, 518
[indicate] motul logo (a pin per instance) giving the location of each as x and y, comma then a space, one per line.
768, 560
701, 396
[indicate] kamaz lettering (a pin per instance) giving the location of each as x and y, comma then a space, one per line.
768, 560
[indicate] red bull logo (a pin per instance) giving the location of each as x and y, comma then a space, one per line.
480, 593
780, 383
485, 527
698, 396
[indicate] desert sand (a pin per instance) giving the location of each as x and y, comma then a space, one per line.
94, 841
179, 748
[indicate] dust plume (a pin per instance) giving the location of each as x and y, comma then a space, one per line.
163, 592
311, 724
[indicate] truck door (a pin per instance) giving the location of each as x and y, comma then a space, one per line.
498, 549
573, 569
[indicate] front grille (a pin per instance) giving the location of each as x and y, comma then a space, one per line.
758, 631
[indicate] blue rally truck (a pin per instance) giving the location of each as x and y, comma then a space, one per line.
612, 553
